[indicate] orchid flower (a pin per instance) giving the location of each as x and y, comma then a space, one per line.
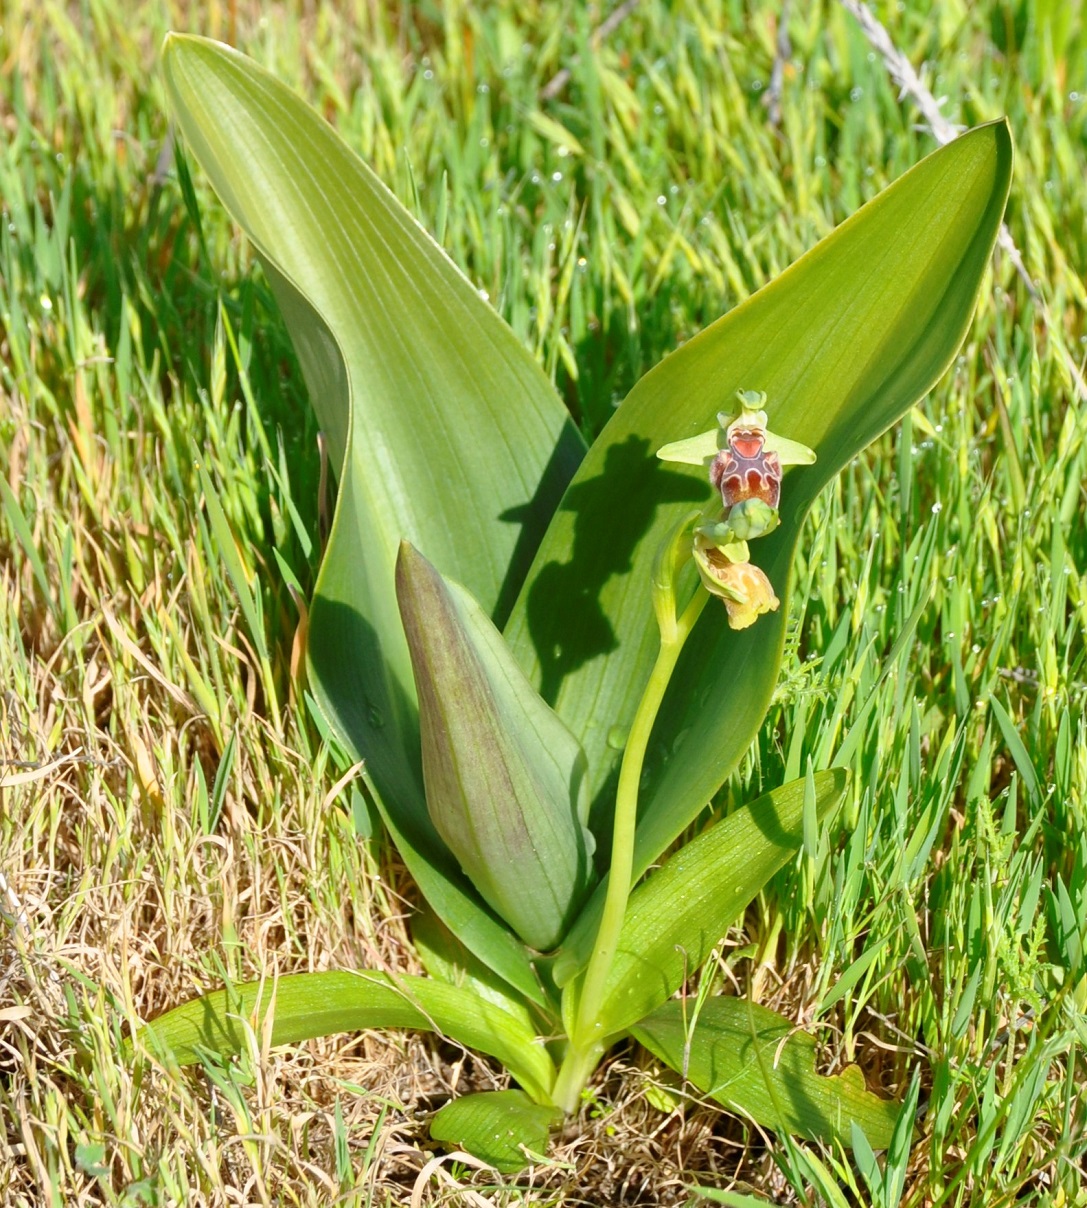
745, 461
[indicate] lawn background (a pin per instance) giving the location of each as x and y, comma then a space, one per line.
169, 815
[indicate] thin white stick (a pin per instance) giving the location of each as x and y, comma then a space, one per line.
910, 84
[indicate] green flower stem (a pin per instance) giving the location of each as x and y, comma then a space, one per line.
575, 1071
587, 1043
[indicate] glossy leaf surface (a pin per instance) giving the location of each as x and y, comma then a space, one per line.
305, 1005
843, 343
446, 958
497, 1126
680, 912
431, 406
503, 775
757, 1064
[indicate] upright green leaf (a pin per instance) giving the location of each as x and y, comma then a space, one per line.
503, 775
843, 343
680, 912
756, 1063
304, 1005
431, 406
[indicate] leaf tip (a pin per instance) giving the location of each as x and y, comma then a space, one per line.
171, 47
409, 562
174, 43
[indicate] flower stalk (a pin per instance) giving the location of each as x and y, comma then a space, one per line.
745, 462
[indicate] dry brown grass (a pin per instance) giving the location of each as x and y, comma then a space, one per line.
115, 905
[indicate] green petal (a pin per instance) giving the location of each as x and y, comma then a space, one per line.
790, 452
694, 451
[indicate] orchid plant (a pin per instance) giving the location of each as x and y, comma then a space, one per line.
543, 699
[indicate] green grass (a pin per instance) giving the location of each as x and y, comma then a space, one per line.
169, 813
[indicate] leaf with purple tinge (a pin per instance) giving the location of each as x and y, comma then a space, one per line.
503, 775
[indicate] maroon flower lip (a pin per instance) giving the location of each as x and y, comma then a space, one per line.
745, 462
744, 470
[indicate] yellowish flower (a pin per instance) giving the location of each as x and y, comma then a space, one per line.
745, 589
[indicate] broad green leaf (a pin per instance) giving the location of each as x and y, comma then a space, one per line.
451, 894
496, 1126
680, 912
431, 406
843, 343
446, 958
754, 1062
503, 775
305, 1005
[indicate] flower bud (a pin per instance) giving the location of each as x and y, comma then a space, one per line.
753, 518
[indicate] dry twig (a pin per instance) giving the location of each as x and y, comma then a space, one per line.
910, 84
610, 23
